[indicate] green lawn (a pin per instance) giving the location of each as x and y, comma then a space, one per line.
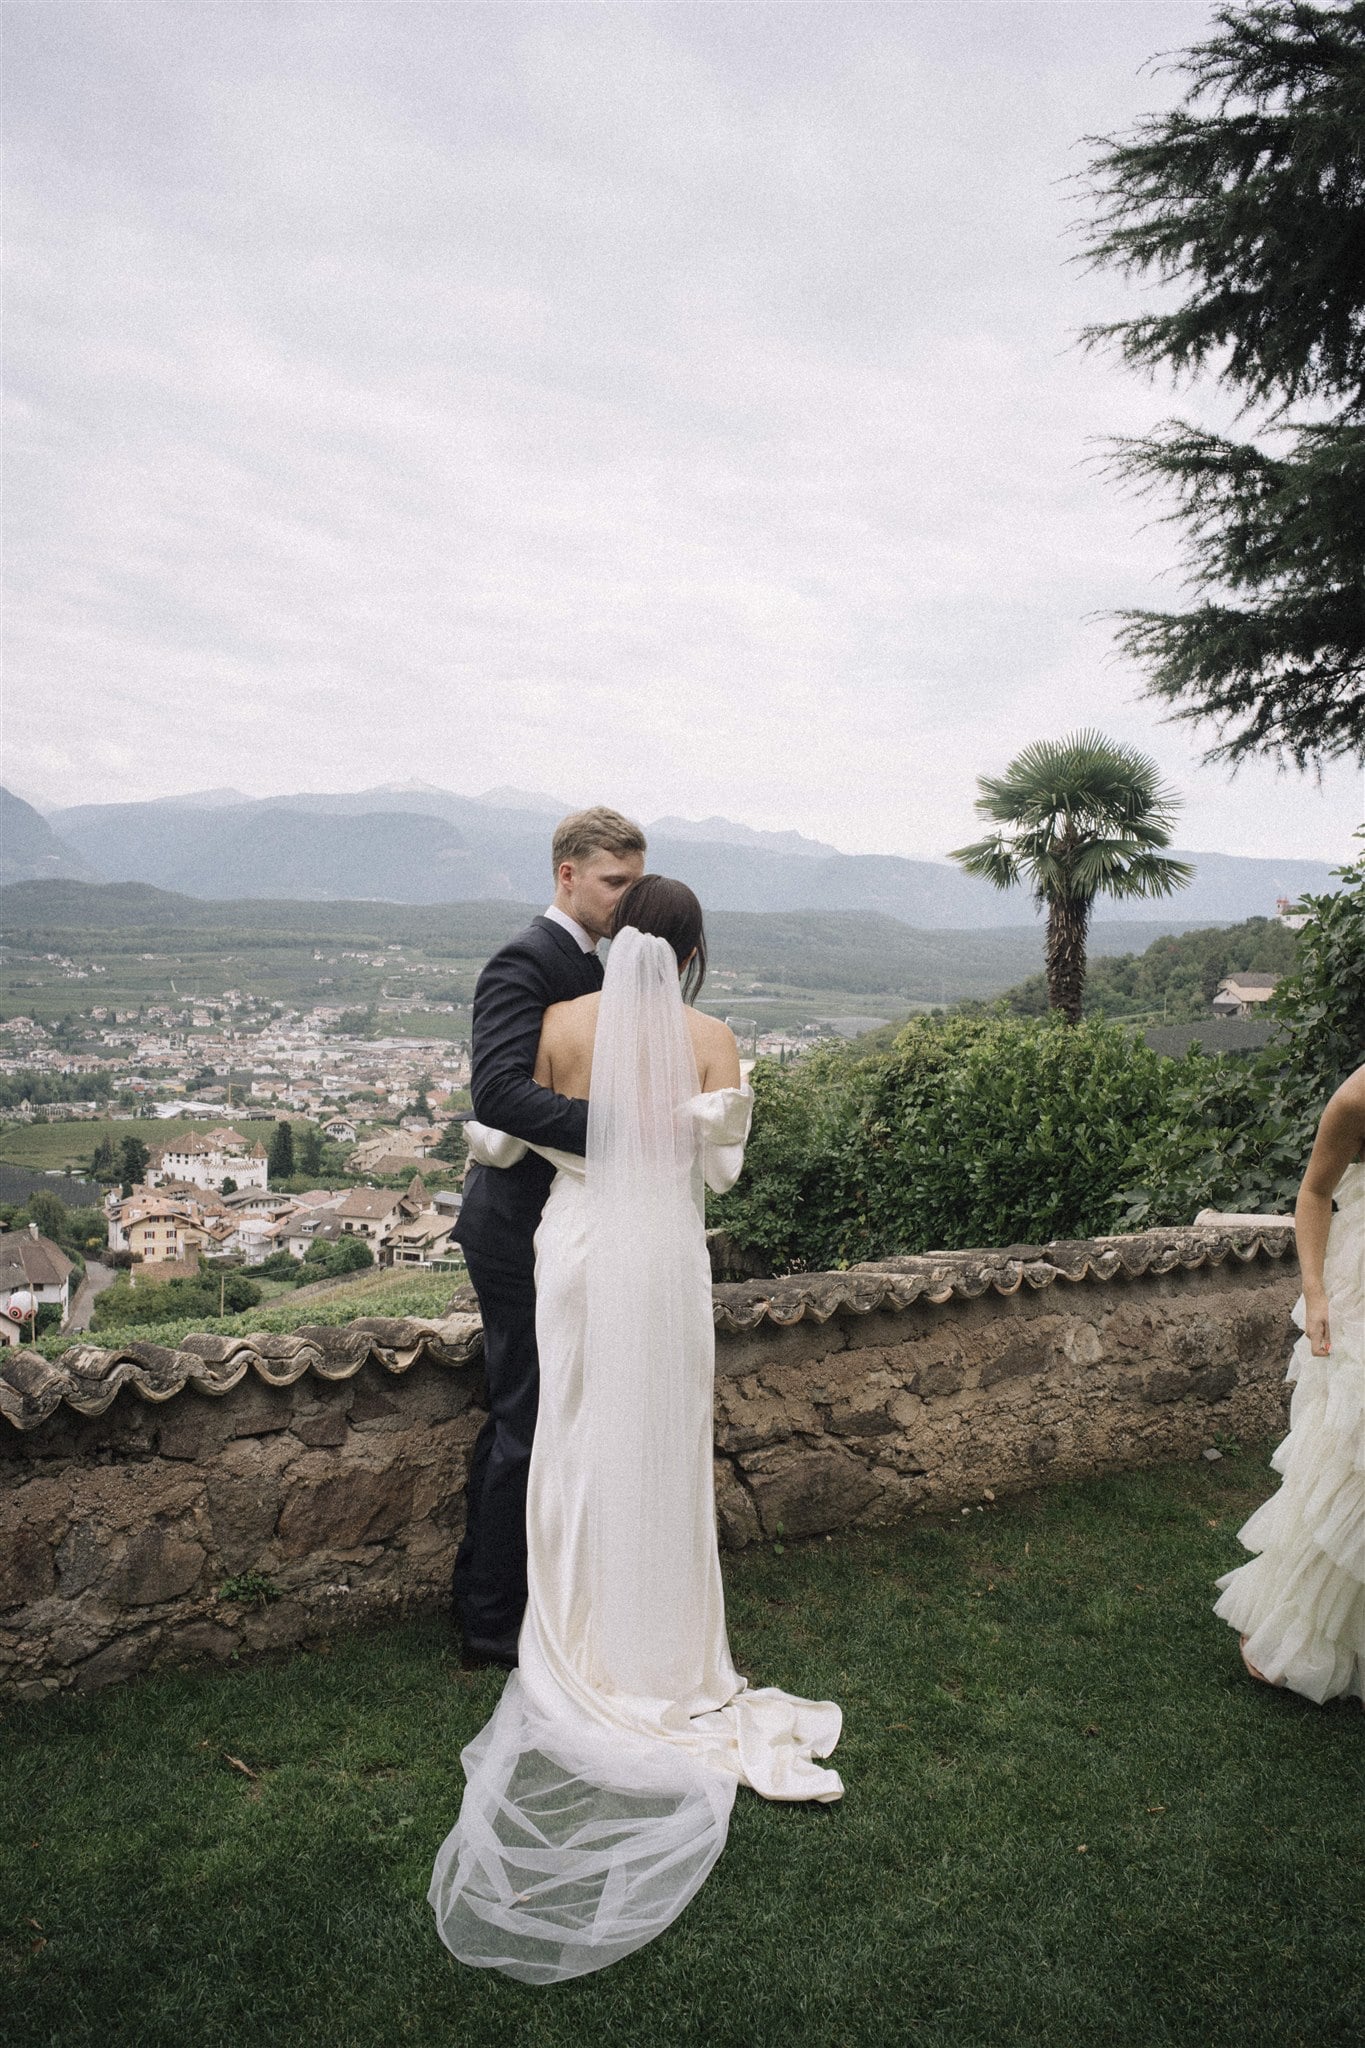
1069, 1819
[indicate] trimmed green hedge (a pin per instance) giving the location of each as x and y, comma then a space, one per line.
970, 1131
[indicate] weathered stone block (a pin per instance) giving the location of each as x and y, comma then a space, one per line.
344, 1510
82, 1556
258, 1458
195, 1426
260, 1410
807, 1489
1166, 1383
200, 1639
429, 1393
323, 1431
749, 1414
269, 1628
862, 1418
27, 1570
118, 1660
1129, 1328
80, 1635
736, 1515
34, 1688
1080, 1344
243, 1510
1263, 1334
371, 1403
158, 1564
939, 1376
1215, 1383
1024, 1355
1198, 1340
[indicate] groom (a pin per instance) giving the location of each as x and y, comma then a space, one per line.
597, 854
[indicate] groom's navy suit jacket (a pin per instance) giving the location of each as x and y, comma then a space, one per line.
542, 965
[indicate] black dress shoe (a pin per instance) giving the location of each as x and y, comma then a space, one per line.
477, 1655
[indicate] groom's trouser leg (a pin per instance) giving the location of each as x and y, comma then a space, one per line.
489, 1585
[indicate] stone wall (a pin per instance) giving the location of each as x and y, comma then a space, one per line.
139, 1489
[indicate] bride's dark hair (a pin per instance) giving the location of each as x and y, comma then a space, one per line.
668, 910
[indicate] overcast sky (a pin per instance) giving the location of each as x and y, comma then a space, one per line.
676, 406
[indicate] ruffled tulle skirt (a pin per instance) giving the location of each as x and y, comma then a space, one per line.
1300, 1602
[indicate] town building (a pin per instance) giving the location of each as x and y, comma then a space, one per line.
423, 1241
208, 1161
34, 1273
372, 1213
1242, 995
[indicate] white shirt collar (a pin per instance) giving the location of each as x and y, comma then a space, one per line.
585, 940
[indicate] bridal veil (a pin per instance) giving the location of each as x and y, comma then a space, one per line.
598, 1796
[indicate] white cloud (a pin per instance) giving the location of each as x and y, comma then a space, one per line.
673, 405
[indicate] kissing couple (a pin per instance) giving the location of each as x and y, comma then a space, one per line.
598, 1796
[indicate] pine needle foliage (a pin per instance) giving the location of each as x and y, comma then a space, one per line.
1249, 199
1079, 817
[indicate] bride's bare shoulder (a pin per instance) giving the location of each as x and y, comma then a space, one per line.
716, 1050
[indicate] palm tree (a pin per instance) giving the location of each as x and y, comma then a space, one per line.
1086, 815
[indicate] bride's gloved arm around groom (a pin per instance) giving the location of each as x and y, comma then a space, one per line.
510, 1002
722, 1121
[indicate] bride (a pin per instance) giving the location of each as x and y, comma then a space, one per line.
1299, 1603
598, 1796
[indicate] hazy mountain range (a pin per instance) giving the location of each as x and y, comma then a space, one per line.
412, 843
855, 954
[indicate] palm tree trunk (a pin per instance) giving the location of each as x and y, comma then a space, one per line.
1068, 919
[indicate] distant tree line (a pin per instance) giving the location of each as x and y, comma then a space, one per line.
39, 1088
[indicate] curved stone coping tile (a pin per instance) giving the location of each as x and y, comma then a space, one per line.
88, 1378
939, 1277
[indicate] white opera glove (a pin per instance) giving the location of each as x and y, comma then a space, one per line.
721, 1120
493, 1148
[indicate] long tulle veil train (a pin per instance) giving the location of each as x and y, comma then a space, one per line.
579, 1837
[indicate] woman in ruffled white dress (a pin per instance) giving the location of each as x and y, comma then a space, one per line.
1299, 1604
598, 1796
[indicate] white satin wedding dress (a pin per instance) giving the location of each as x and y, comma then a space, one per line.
1300, 1602
598, 1796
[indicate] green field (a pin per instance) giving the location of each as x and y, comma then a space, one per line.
66, 1145
200, 968
284, 1310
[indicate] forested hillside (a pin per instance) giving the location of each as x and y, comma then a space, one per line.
1177, 977
146, 940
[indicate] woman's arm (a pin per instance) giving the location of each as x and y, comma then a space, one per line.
1340, 1137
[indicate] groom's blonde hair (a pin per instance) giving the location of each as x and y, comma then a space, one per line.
596, 831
